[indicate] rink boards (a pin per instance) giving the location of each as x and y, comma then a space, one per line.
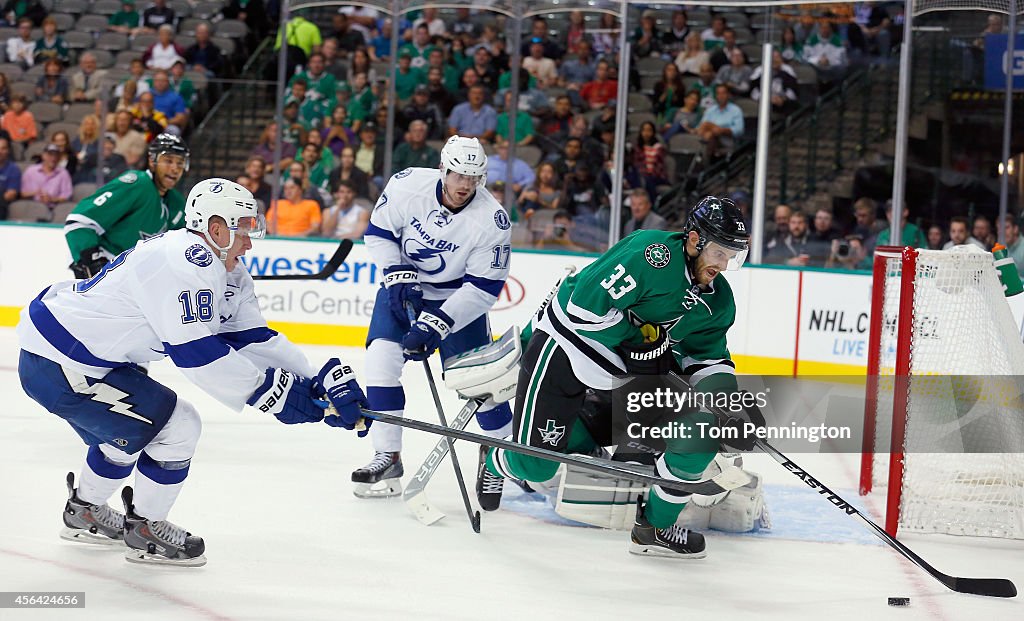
789, 322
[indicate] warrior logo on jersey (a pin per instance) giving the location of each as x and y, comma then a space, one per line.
551, 433
658, 255
441, 217
501, 219
199, 254
427, 260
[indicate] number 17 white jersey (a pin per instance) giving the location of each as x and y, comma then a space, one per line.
462, 257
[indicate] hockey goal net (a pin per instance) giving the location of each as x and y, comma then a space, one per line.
944, 413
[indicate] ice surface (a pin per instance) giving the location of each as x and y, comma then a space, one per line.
286, 539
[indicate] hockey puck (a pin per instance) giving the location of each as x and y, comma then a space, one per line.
899, 601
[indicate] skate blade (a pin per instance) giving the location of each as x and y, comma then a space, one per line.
144, 558
79, 535
425, 512
385, 488
646, 550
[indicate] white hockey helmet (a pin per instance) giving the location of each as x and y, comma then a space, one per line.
464, 156
228, 200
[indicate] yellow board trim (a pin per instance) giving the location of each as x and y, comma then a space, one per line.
9, 316
355, 336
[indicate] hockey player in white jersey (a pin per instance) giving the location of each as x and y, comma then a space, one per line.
183, 295
443, 244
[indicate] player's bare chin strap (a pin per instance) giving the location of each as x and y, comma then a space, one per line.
223, 250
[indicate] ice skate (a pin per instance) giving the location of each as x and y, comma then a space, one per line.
488, 486
159, 541
672, 542
88, 523
381, 478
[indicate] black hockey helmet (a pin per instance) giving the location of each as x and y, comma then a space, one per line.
718, 220
169, 143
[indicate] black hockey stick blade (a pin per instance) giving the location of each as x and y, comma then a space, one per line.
991, 587
332, 266
730, 479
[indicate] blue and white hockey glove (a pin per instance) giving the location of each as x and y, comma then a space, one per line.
403, 285
289, 397
426, 335
339, 382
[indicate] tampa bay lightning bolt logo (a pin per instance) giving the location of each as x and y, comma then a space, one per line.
427, 260
383, 200
403, 174
216, 187
440, 217
501, 219
199, 254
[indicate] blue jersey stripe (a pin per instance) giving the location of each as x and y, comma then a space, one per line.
238, 340
486, 285
197, 353
62, 340
376, 231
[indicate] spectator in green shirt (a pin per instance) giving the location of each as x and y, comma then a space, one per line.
319, 83
407, 78
912, 236
524, 123
361, 102
126, 20
303, 34
419, 48
51, 45
415, 152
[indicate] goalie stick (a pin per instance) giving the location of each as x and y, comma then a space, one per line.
474, 517
725, 481
330, 267
992, 587
415, 495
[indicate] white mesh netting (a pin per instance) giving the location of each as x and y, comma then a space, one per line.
964, 448
994, 6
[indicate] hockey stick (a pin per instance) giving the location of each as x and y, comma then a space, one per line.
727, 480
992, 587
474, 518
330, 267
415, 495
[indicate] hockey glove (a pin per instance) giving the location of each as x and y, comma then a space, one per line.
739, 428
89, 263
339, 382
289, 397
426, 335
403, 286
653, 356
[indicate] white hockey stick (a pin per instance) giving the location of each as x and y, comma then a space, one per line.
415, 494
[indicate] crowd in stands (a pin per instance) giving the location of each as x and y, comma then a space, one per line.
694, 91
84, 87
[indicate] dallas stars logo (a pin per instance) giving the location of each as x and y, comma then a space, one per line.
636, 320
658, 255
552, 433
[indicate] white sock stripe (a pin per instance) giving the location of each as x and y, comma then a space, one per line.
669, 495
538, 373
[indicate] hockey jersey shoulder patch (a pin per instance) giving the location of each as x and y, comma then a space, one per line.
128, 177
501, 220
658, 255
199, 255
403, 173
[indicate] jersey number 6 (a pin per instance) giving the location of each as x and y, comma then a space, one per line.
628, 283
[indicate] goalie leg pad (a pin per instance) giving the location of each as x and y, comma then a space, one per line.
597, 499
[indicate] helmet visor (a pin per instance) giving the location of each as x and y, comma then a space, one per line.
724, 258
253, 227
